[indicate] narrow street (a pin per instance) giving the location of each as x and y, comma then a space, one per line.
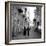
32, 35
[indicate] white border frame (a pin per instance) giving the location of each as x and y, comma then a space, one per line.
29, 40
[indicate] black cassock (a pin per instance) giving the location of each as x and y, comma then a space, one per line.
26, 30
